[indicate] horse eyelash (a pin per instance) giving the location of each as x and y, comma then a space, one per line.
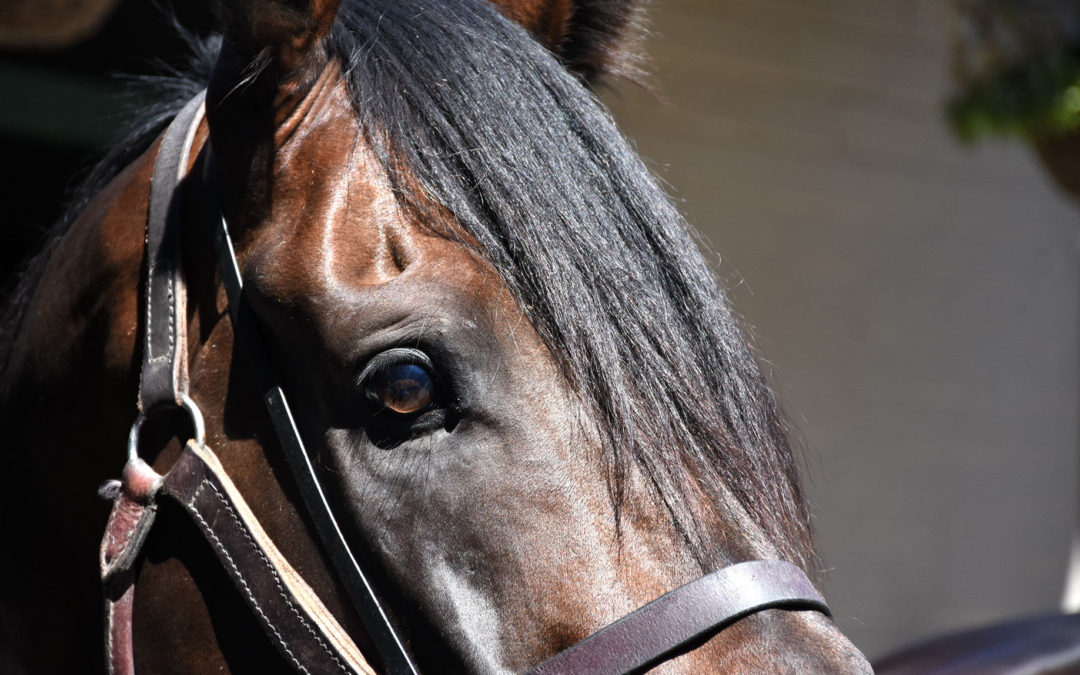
385, 360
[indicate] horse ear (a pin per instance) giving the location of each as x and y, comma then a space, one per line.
270, 57
286, 32
592, 37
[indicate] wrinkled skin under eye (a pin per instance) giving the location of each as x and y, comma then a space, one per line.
403, 388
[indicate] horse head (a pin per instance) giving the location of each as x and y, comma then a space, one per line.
524, 393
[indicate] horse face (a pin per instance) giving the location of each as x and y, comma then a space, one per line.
469, 476
461, 458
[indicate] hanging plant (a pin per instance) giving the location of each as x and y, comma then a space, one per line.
1018, 66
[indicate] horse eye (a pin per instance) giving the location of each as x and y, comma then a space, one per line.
404, 388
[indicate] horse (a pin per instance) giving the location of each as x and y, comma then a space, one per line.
525, 399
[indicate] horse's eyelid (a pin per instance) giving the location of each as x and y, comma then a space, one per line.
391, 357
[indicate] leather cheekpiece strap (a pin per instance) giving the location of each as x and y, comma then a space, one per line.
687, 613
162, 380
133, 513
164, 367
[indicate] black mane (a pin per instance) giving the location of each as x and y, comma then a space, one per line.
493, 128
464, 103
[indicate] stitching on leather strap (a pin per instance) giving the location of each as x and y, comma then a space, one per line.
110, 621
277, 578
247, 589
269, 566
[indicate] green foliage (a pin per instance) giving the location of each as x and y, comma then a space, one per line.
1033, 101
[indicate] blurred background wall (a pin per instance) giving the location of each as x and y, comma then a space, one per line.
916, 300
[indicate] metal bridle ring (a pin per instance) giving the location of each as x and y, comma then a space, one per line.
185, 404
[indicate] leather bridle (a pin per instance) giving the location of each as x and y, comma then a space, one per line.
289, 611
